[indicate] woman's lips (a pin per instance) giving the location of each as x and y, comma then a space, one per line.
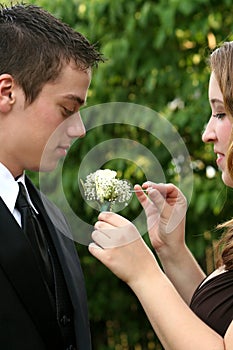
220, 157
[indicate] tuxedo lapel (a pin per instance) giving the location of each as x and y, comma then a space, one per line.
19, 264
67, 255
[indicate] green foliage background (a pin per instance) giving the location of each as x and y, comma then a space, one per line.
156, 57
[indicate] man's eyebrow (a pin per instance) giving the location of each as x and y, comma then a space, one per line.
75, 99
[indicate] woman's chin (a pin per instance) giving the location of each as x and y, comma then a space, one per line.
227, 179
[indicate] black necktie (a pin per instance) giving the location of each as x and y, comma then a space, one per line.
32, 228
49, 265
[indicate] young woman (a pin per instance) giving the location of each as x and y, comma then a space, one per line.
187, 310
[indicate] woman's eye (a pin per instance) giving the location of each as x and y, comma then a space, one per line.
219, 115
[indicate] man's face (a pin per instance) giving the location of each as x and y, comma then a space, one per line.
48, 125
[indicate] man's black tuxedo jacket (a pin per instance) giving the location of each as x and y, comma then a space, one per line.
26, 321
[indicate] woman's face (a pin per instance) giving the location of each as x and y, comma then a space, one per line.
218, 129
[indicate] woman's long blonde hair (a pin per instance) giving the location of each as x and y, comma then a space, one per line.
221, 64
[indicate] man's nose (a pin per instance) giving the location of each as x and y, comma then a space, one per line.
209, 134
76, 127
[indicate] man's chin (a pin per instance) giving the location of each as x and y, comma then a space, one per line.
48, 167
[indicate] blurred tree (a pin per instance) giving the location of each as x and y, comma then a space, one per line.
156, 57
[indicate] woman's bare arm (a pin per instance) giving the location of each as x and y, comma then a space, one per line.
120, 247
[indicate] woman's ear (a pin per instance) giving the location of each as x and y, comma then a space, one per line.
7, 94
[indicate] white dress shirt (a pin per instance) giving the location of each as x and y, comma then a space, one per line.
9, 189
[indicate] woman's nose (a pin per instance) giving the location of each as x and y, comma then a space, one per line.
76, 127
209, 134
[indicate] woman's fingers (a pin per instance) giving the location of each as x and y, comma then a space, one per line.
142, 197
112, 218
165, 201
172, 208
152, 200
112, 230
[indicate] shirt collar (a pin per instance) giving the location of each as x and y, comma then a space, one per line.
8, 187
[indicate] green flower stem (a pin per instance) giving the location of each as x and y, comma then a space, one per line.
106, 206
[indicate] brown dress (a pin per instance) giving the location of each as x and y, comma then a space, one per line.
213, 302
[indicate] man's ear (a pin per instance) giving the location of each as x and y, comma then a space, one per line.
7, 93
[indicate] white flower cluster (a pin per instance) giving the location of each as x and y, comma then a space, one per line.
102, 186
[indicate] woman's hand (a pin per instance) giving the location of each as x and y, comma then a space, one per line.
119, 246
165, 207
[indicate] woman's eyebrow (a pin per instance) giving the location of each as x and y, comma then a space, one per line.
216, 100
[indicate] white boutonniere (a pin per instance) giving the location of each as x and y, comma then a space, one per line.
103, 187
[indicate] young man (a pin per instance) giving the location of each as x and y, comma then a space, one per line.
45, 72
